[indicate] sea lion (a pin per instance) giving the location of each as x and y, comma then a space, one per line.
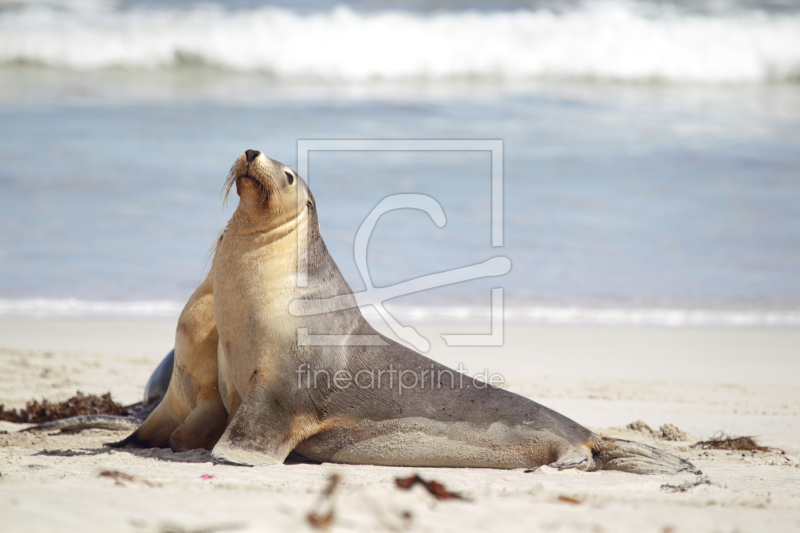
157, 385
191, 414
432, 422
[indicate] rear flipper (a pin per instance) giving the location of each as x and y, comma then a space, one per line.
622, 455
578, 458
637, 458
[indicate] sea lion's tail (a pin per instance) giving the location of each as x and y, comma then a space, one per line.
637, 458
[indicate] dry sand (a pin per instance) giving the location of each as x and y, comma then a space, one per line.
742, 381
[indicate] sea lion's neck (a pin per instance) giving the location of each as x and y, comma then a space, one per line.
257, 253
254, 282
265, 229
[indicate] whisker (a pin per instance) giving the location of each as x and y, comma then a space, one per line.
228, 185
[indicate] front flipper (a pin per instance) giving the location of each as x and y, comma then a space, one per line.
159, 425
263, 431
202, 428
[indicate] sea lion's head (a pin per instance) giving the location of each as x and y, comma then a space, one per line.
271, 194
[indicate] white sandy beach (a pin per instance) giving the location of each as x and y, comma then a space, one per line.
740, 381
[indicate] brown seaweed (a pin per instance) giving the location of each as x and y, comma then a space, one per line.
436, 489
721, 441
120, 478
323, 520
37, 412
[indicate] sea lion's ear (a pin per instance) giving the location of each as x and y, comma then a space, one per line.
262, 432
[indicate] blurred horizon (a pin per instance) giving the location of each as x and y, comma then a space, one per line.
651, 150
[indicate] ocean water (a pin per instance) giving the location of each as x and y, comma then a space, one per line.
651, 151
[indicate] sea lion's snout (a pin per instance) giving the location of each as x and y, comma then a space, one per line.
252, 164
255, 165
249, 164
250, 174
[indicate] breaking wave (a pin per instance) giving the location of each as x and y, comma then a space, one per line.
598, 41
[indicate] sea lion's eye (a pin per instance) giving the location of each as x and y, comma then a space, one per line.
289, 176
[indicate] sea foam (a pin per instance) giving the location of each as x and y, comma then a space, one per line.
601, 41
43, 308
